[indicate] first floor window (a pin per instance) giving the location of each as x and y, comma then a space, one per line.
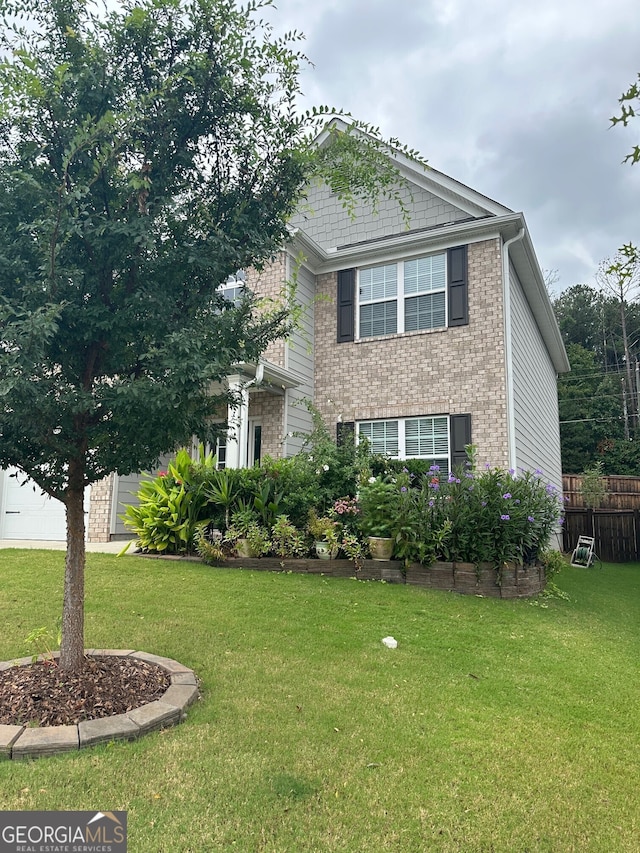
409, 438
221, 452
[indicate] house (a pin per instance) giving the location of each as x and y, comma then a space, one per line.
423, 338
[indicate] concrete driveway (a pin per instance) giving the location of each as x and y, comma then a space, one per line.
104, 547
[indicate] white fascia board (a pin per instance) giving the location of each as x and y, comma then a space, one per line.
448, 189
273, 374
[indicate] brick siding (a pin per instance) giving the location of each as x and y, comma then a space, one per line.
446, 371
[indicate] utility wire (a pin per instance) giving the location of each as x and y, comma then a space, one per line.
587, 420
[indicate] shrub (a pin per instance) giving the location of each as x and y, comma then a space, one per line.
286, 540
172, 506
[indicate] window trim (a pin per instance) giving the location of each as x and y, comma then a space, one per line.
401, 296
402, 443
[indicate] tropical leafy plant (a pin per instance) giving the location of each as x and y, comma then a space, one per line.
171, 507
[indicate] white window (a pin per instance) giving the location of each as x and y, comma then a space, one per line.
235, 288
402, 297
409, 438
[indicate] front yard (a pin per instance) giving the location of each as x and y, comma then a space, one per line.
494, 726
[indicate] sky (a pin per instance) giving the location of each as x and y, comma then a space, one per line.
512, 98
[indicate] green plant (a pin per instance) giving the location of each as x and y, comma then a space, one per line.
44, 641
220, 490
242, 522
259, 541
323, 529
495, 516
245, 525
287, 540
355, 549
266, 501
593, 489
378, 501
209, 548
171, 507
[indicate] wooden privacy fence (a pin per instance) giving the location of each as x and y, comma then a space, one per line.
616, 532
620, 492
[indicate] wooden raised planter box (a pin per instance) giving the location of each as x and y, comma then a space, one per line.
464, 578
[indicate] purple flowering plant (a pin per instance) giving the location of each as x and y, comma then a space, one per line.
494, 515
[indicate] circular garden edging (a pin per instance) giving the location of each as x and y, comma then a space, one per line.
21, 742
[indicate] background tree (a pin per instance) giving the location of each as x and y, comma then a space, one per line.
619, 278
591, 415
145, 155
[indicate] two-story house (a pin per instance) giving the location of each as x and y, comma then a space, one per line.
423, 338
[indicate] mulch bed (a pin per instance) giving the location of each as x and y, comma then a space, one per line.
42, 694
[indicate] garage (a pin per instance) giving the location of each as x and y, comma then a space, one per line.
25, 513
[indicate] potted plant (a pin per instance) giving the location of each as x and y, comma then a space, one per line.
378, 501
249, 538
286, 539
325, 532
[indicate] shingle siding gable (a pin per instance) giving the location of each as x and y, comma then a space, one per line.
326, 222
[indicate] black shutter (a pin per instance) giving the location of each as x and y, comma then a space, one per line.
345, 432
457, 286
346, 305
460, 437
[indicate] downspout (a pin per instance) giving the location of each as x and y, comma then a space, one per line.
508, 350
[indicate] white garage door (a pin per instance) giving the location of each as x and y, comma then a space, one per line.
25, 513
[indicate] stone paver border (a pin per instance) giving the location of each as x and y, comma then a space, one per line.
21, 742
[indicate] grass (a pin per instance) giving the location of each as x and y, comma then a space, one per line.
494, 726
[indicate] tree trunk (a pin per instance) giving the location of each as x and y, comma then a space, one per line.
72, 646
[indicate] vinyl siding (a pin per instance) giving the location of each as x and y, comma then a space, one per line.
126, 488
535, 395
299, 359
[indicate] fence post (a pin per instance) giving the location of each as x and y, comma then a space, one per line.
636, 531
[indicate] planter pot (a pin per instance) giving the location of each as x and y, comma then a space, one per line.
381, 548
244, 549
324, 551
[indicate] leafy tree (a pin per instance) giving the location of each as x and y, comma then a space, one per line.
628, 111
590, 410
146, 154
620, 278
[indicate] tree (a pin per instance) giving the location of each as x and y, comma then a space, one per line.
620, 277
627, 112
146, 154
591, 414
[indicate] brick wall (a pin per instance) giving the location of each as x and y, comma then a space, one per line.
268, 283
99, 523
446, 371
270, 409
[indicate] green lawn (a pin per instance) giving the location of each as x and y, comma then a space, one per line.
494, 726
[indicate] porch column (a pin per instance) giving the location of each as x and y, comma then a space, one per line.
238, 419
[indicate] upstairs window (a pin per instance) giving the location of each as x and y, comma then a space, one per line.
430, 292
235, 288
403, 297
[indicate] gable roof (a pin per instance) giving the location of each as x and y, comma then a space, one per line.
475, 217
